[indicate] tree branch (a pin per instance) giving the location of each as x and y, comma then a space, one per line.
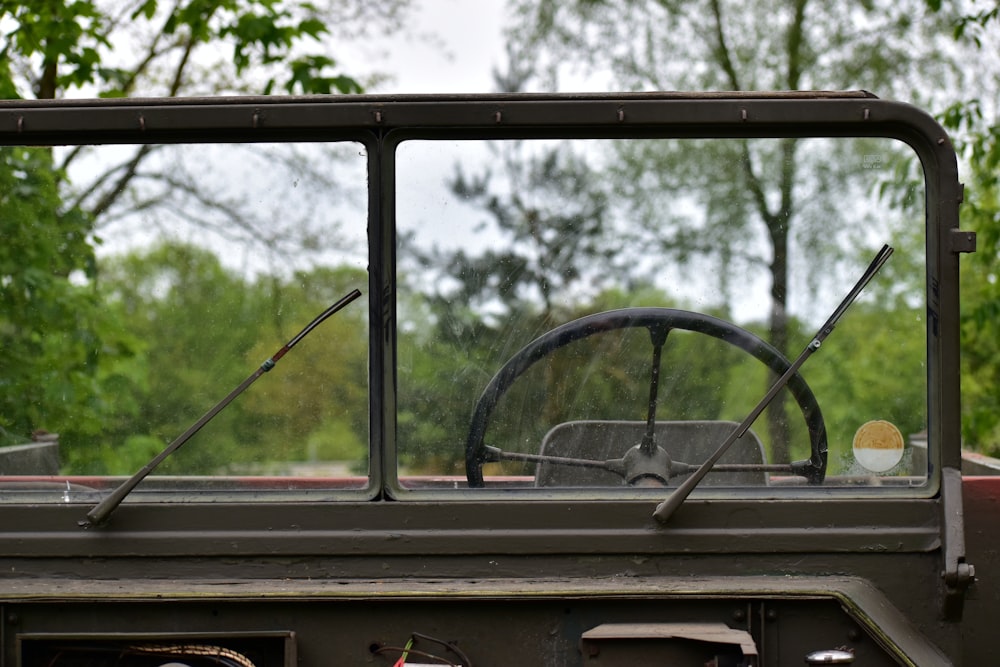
794, 43
112, 194
97, 182
722, 48
129, 83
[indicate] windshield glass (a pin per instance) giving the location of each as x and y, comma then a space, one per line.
183, 267
705, 241
572, 316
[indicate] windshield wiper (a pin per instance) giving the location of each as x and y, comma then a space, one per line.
100, 513
667, 508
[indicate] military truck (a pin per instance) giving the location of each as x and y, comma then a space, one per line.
644, 378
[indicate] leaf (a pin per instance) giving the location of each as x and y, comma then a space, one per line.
147, 10
307, 77
312, 27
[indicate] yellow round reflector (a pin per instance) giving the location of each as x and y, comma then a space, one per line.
878, 445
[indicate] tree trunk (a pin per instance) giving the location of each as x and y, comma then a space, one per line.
777, 413
45, 87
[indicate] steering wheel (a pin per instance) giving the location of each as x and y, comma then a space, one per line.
646, 459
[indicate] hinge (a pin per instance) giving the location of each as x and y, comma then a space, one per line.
957, 574
962, 240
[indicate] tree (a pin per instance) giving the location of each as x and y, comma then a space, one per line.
718, 45
191, 324
316, 406
549, 208
979, 138
50, 319
182, 47
545, 210
179, 48
199, 329
976, 124
61, 350
542, 209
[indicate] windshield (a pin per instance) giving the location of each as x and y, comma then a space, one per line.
578, 317
604, 241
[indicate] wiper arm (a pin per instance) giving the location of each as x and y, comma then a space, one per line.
667, 508
100, 513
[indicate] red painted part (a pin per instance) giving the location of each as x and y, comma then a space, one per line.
982, 548
248, 482
278, 483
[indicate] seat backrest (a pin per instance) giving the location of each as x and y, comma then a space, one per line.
689, 442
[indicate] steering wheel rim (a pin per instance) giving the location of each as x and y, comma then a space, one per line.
813, 468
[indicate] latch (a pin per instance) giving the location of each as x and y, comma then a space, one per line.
962, 241
957, 574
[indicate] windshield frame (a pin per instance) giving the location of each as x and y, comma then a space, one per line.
380, 123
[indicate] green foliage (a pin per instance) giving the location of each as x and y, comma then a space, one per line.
891, 385
53, 48
981, 303
190, 317
774, 192
977, 131
63, 40
724, 45
68, 364
971, 26
307, 77
196, 330
204, 329
550, 210
607, 376
315, 403
51, 324
545, 210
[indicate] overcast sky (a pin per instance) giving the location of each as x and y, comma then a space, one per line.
451, 46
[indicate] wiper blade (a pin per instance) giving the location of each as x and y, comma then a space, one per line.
100, 513
667, 508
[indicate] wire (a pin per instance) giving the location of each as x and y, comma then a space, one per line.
448, 646
408, 650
